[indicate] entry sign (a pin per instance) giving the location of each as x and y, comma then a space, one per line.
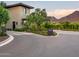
50, 32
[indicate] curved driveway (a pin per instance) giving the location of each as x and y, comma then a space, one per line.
66, 44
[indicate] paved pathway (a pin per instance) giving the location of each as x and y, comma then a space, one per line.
66, 44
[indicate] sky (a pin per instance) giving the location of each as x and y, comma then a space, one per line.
54, 8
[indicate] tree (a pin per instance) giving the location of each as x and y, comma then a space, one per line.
2, 3
44, 13
38, 17
4, 17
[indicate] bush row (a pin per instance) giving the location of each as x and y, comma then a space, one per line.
50, 25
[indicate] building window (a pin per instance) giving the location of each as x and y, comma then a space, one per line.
25, 11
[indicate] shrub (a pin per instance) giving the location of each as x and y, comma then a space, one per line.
20, 29
33, 27
42, 26
48, 25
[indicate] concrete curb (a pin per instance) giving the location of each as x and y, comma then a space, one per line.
57, 34
27, 33
11, 38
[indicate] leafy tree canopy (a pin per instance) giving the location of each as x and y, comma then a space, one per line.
2, 3
37, 16
4, 15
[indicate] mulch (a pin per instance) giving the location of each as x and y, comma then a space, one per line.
2, 38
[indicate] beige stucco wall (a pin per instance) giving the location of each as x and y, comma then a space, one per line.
17, 14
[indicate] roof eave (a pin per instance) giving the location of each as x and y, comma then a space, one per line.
19, 4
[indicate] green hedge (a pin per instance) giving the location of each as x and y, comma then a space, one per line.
66, 26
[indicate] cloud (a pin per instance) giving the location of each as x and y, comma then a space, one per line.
58, 13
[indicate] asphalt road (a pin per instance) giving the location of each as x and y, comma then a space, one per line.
66, 44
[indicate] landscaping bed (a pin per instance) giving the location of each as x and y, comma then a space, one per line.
2, 38
44, 33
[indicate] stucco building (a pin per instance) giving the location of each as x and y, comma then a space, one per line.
18, 13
